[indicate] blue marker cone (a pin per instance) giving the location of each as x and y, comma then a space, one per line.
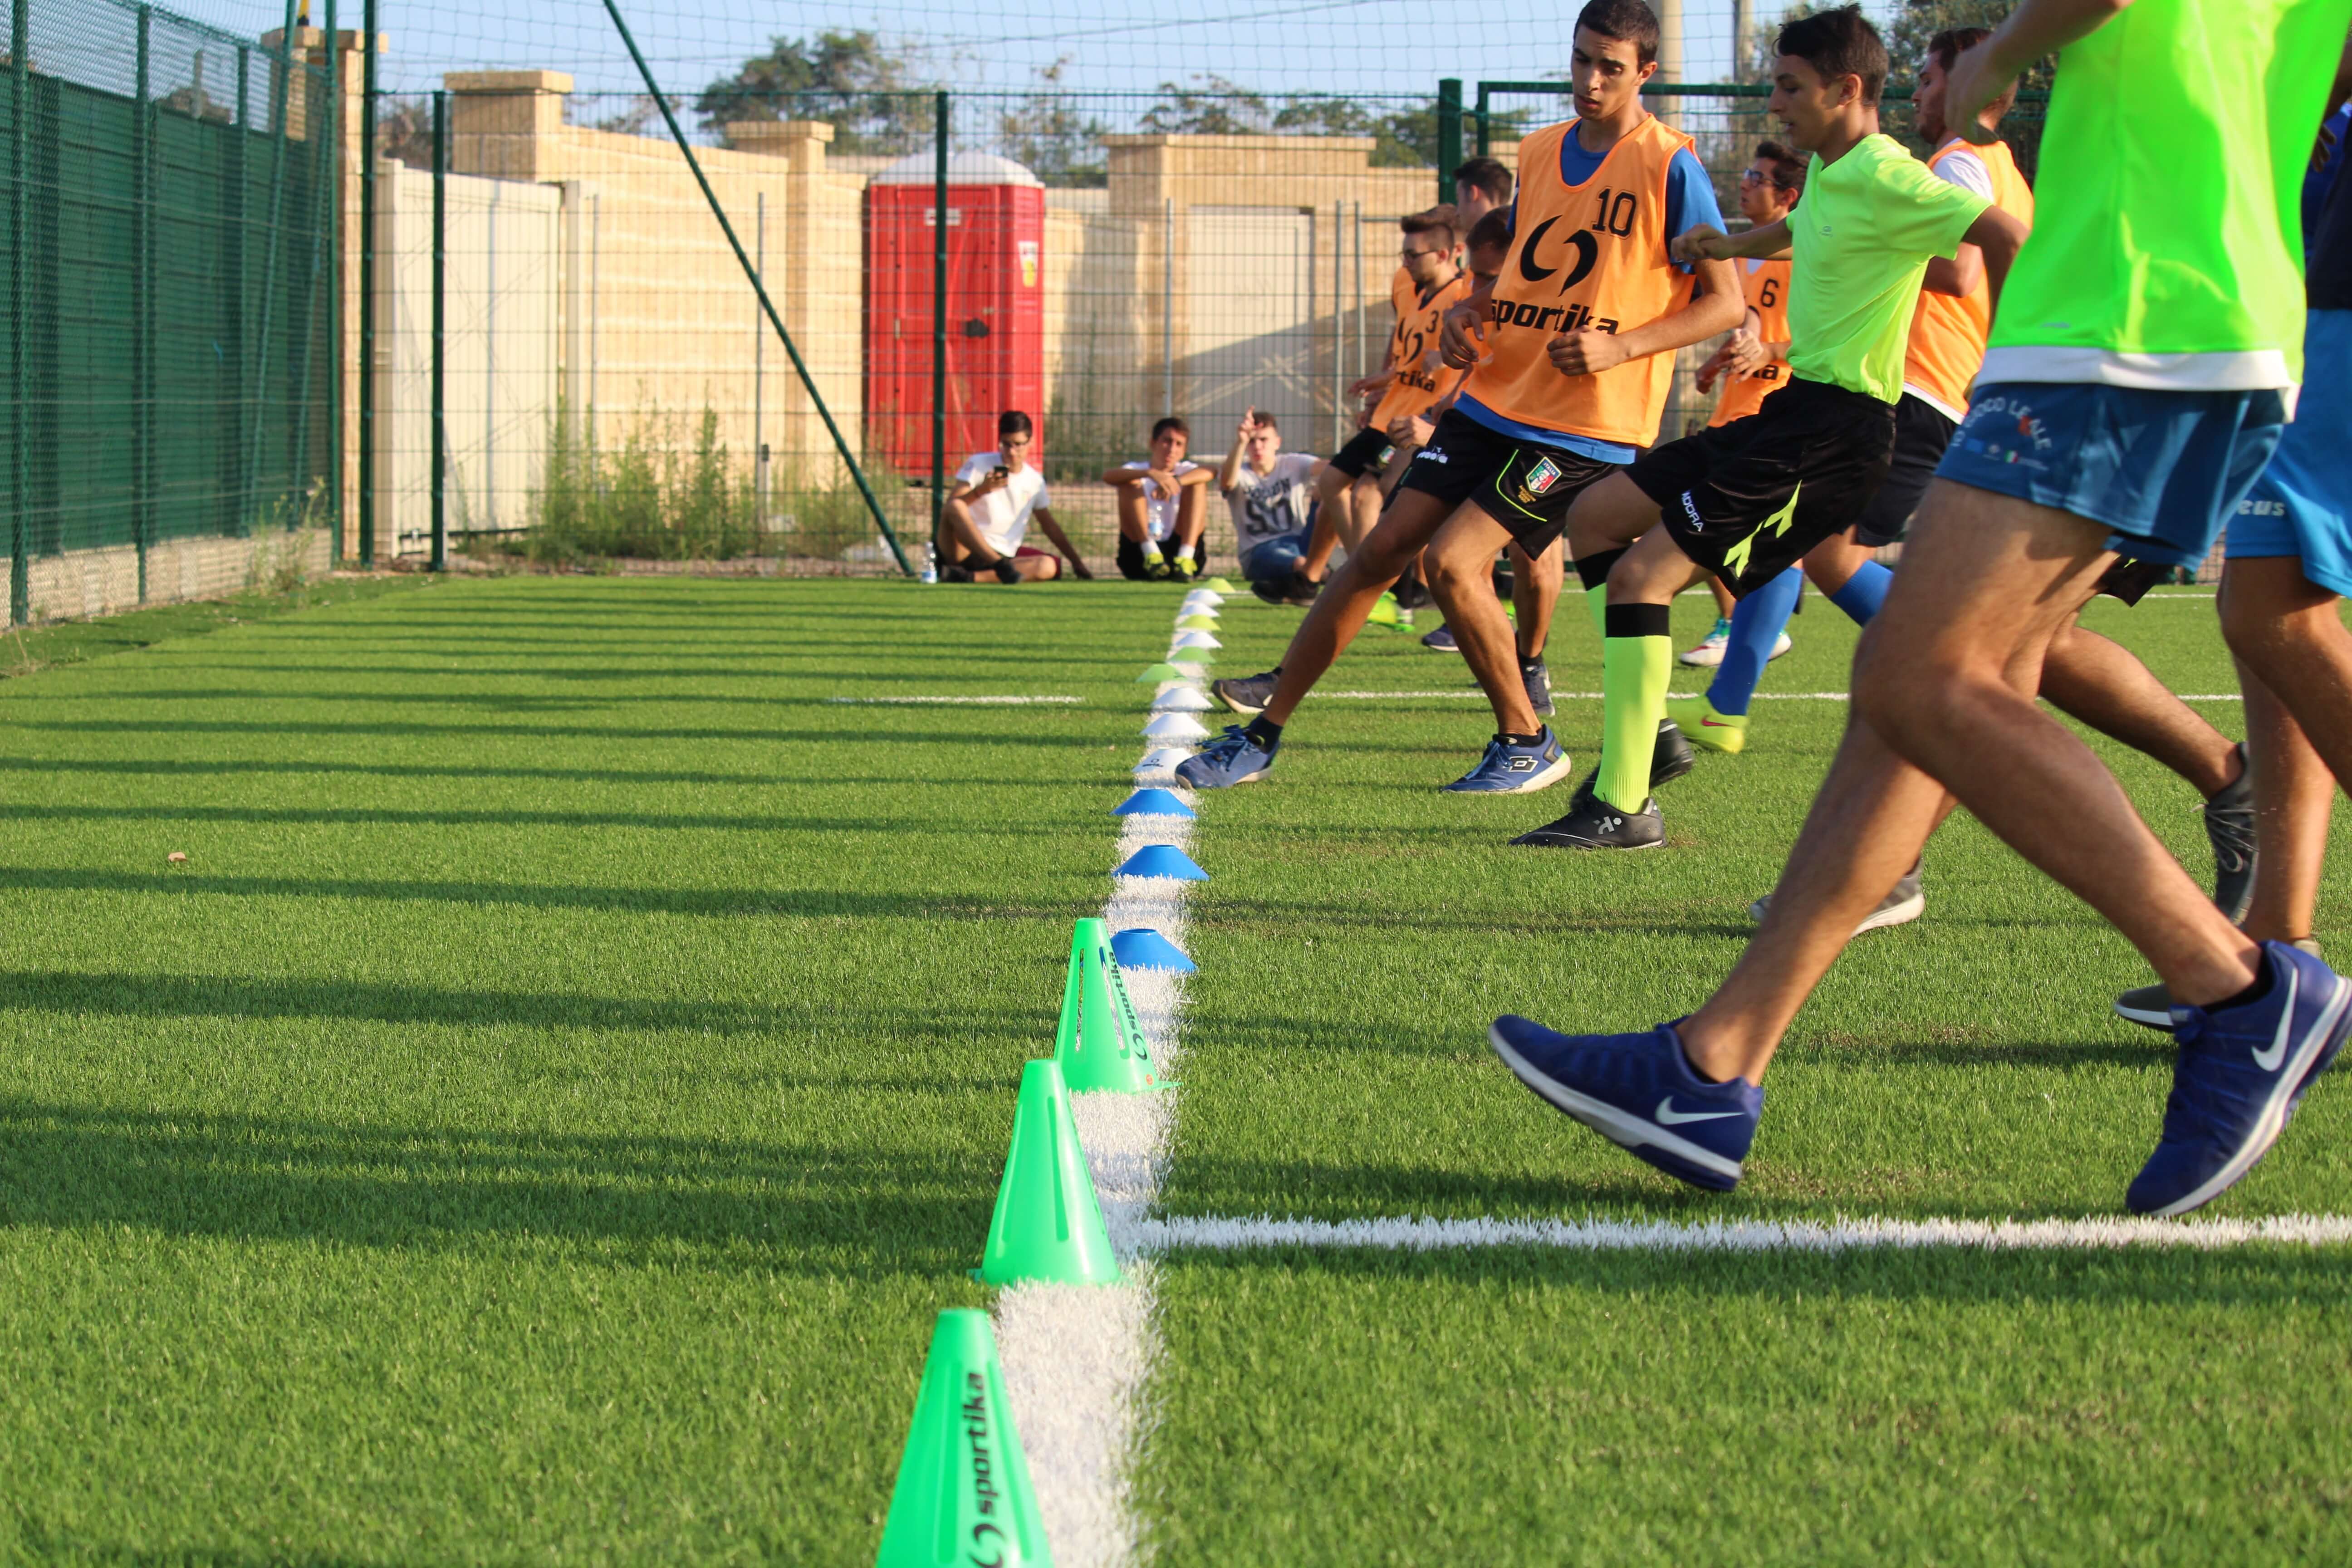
1161, 860
1143, 948
1152, 802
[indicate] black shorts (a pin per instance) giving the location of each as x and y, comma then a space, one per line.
1922, 431
1748, 499
1366, 452
1526, 486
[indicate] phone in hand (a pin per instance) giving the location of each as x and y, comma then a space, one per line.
1000, 472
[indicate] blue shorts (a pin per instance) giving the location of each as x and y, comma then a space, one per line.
2163, 469
2301, 506
1274, 558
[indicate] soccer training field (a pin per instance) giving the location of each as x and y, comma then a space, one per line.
542, 1118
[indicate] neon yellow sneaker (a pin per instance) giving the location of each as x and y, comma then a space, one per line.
1183, 566
1697, 718
1384, 611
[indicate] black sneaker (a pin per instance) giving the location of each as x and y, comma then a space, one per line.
1268, 589
2152, 1004
1907, 903
1300, 589
1592, 823
1672, 756
2230, 828
1247, 696
1409, 594
1537, 680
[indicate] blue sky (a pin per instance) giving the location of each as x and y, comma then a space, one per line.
1111, 46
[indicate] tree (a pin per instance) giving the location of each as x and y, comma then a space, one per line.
871, 93
1214, 107
1052, 137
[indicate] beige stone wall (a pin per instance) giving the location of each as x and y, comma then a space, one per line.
80, 583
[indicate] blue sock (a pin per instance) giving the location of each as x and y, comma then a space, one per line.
1863, 594
1756, 626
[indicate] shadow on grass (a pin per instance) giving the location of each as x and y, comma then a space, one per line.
2256, 1276
712, 901
807, 1208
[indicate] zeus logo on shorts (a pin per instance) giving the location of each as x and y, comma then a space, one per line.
2251, 508
1690, 509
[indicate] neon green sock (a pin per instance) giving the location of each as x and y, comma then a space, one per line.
1636, 659
1596, 599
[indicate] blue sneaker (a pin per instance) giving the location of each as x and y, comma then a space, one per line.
1638, 1091
2236, 1081
1514, 770
1232, 758
1442, 641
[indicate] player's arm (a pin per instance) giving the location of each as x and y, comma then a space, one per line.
1044, 516
1997, 238
1372, 385
1123, 475
1229, 472
1717, 306
1705, 242
2037, 28
1198, 474
1463, 337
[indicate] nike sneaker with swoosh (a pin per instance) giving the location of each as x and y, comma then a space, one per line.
1639, 1092
1710, 651
2230, 828
2237, 1079
2151, 1006
1697, 717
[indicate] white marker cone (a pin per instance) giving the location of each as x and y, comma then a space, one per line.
1160, 760
1175, 727
1192, 639
1202, 599
1184, 699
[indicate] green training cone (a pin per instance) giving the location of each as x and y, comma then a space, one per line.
1099, 1042
963, 1494
1198, 621
1048, 1223
1158, 673
1218, 586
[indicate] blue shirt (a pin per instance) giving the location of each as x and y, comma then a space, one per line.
1690, 200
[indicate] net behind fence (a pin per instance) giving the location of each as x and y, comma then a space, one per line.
169, 331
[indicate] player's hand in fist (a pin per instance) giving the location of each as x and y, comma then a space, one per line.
1462, 340
1701, 242
1586, 352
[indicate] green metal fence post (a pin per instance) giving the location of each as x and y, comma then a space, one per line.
20, 236
440, 461
233, 344
1449, 134
939, 314
1485, 129
331, 209
277, 115
743, 259
142, 302
367, 287
312, 325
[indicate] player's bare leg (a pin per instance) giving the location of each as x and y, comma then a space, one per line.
1944, 691
1339, 612
2289, 637
2294, 795
1332, 505
1535, 593
2103, 685
1461, 563
1831, 564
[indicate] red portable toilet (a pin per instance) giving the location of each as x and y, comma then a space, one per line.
996, 311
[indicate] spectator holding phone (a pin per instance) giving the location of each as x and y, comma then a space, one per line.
988, 512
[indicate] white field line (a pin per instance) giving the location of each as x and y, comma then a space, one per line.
1076, 1356
1758, 697
1216, 1233
955, 702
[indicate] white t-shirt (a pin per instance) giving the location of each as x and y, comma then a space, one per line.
1158, 510
1273, 504
1002, 516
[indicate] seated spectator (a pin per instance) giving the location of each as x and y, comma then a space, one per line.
988, 512
1160, 498
1271, 492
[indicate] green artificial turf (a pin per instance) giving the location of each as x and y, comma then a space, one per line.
540, 1117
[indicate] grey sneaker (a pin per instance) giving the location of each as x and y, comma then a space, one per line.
1592, 823
2152, 1004
1247, 696
1907, 903
2230, 828
1232, 758
1537, 680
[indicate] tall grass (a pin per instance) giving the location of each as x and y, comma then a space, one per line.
657, 497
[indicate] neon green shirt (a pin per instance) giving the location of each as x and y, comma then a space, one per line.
1861, 238
2167, 231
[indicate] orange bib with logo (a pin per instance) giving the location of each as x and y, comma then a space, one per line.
1591, 257
1765, 284
1419, 379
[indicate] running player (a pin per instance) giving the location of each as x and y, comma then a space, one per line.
1746, 500
2138, 381
2290, 566
1348, 488
1578, 334
1754, 361
2083, 674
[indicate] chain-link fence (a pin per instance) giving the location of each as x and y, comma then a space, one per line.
169, 298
